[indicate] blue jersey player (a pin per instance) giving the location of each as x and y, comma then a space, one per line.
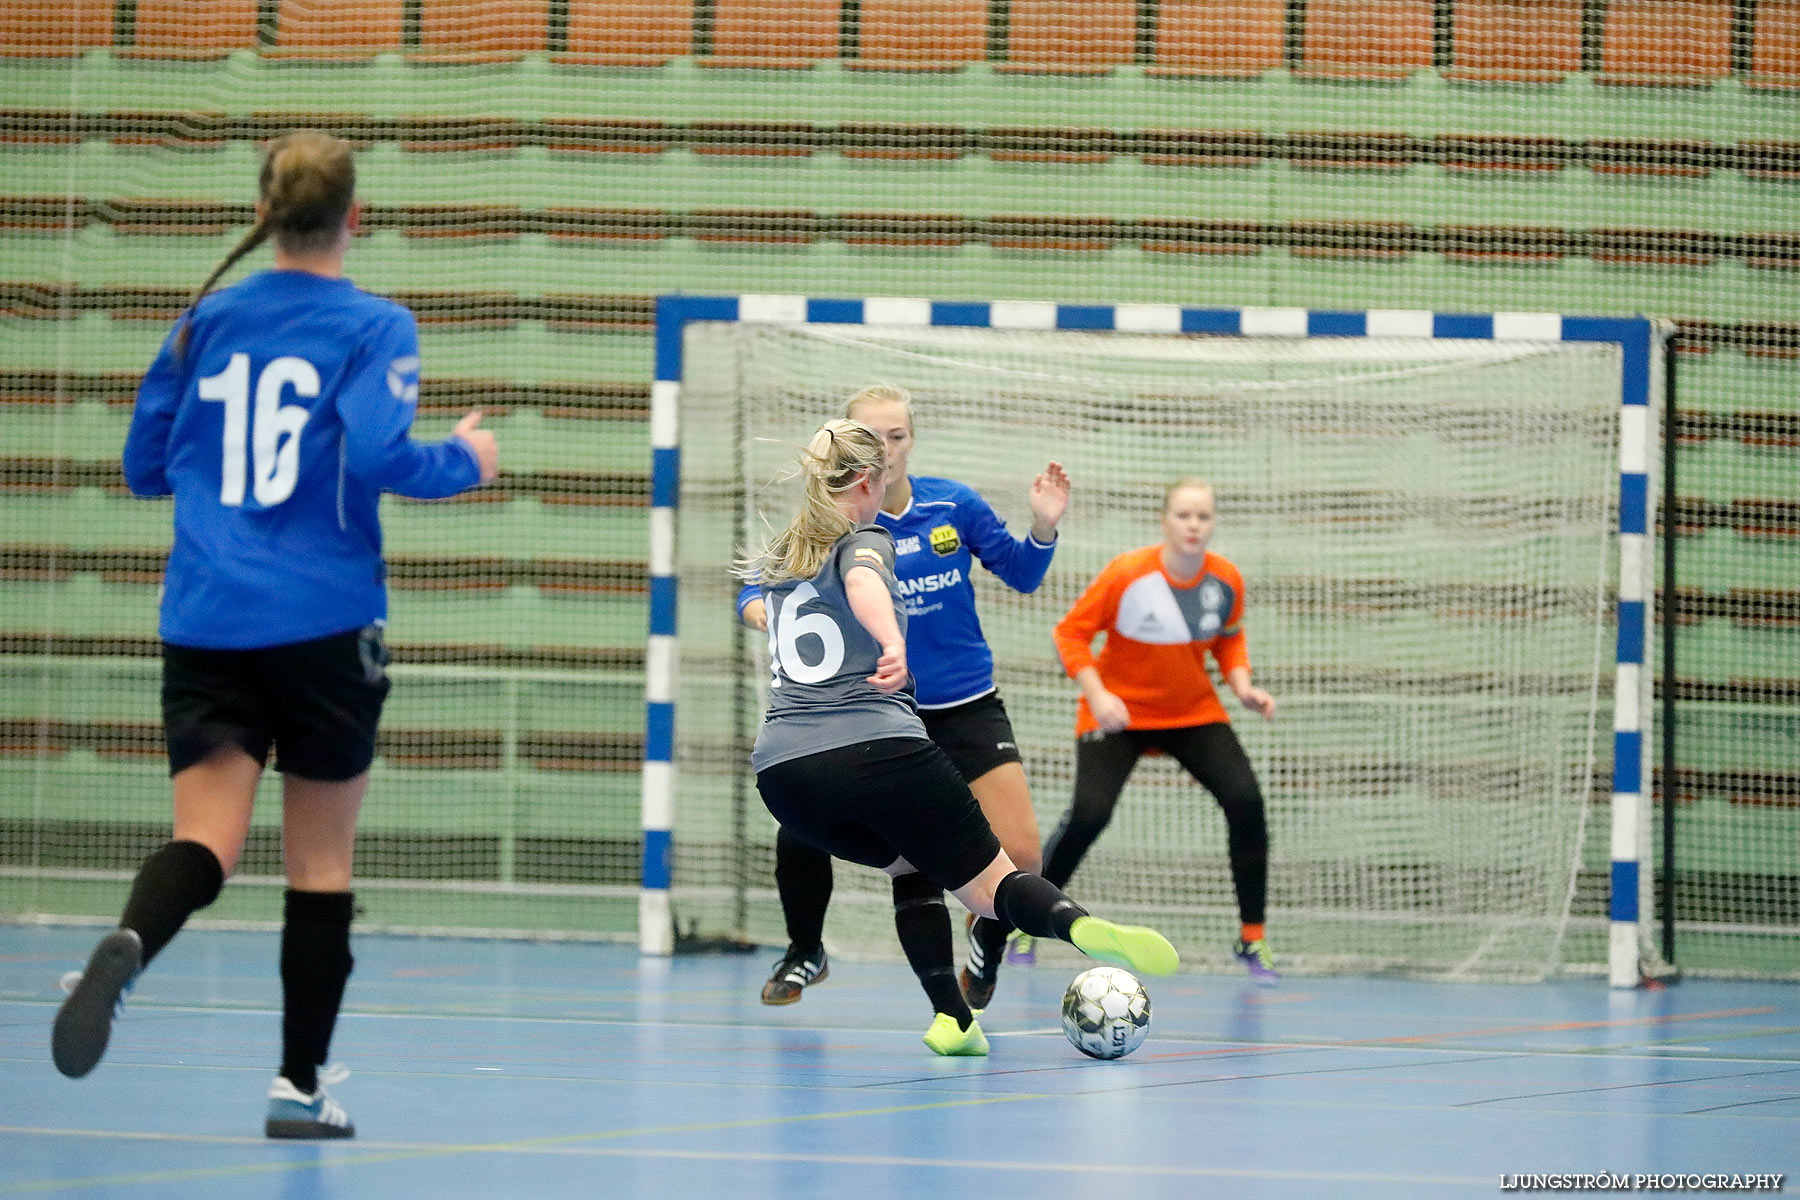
843, 761
276, 414
941, 528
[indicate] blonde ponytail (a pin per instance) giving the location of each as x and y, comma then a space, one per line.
307, 185
839, 456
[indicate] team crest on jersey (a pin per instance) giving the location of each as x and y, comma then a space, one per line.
403, 379
945, 541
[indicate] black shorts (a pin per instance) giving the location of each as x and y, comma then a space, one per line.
317, 703
978, 735
877, 801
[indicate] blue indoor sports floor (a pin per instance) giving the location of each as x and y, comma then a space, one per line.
505, 1068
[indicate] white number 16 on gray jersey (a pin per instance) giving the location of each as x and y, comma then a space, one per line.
786, 630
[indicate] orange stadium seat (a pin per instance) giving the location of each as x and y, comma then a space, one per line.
1666, 42
1219, 37
32, 28
1367, 39
1086, 37
773, 33
632, 33
921, 35
193, 28
1775, 52
338, 29
463, 31
1516, 41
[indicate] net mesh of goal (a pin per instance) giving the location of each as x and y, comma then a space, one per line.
1426, 532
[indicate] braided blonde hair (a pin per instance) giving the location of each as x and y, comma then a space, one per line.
307, 185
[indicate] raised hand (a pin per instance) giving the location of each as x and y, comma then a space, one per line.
1049, 500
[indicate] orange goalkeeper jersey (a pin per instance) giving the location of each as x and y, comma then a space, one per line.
1158, 631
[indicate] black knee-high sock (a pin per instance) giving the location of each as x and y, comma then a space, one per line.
1250, 879
1036, 906
923, 924
990, 934
171, 886
803, 880
315, 964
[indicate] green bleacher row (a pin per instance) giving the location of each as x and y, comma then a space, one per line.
539, 186
1722, 434
1735, 542
535, 730
437, 237
1496, 157
1128, 98
581, 825
1726, 391
1726, 293
1737, 452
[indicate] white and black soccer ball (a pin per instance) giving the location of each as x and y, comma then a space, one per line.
1106, 1012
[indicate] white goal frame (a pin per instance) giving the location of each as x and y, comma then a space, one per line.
1639, 409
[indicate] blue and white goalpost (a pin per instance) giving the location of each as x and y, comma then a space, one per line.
778, 364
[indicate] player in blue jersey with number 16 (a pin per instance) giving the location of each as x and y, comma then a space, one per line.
843, 761
276, 414
941, 529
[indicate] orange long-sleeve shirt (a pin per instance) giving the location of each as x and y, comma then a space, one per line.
1159, 630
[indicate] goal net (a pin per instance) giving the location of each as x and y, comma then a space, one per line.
1428, 533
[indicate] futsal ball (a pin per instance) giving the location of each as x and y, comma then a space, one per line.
1106, 1012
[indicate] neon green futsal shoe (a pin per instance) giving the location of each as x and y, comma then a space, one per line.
946, 1037
1133, 947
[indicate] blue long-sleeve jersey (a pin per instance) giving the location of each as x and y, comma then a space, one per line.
276, 432
936, 542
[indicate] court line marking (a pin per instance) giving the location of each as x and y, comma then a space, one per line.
1686, 1046
524, 1018
1624, 1087
414, 1150
1740, 1104
1566, 1026
1411, 1042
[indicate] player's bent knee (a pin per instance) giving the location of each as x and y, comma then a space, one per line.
977, 895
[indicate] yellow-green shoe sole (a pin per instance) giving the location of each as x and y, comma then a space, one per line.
1133, 947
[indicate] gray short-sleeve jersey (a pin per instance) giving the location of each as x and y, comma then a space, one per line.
820, 697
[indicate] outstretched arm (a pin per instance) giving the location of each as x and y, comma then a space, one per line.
377, 402
1019, 562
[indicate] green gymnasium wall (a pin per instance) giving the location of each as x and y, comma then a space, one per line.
530, 206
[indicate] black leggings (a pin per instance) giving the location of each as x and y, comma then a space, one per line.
1216, 760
